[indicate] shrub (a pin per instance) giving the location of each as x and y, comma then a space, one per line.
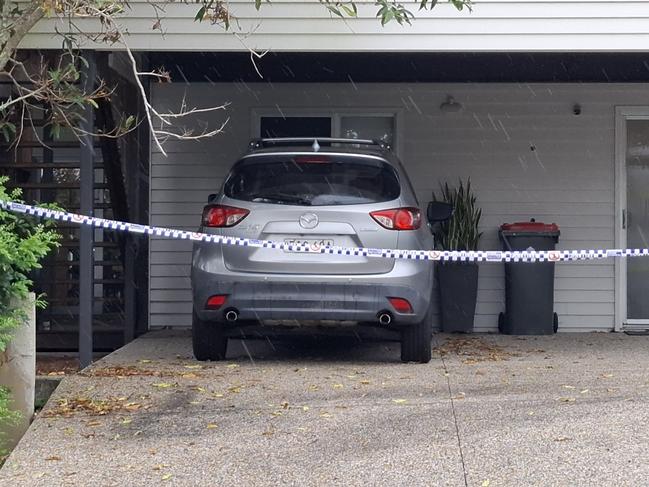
24, 241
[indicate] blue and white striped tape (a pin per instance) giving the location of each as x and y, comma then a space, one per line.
434, 255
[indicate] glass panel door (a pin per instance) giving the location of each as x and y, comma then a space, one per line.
637, 217
368, 127
272, 127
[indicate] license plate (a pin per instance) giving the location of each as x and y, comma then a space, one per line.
313, 244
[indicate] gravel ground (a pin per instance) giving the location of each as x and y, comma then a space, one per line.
488, 410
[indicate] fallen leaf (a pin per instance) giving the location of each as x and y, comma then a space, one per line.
325, 415
399, 401
569, 387
145, 361
232, 366
562, 438
606, 376
166, 476
195, 366
584, 391
305, 408
486, 483
365, 382
284, 405
338, 386
567, 399
54, 458
189, 375
162, 385
93, 423
126, 421
211, 426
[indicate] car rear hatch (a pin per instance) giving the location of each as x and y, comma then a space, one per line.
314, 199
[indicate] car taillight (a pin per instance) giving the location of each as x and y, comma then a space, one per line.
398, 218
401, 305
216, 301
223, 216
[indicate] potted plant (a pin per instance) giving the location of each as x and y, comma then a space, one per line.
457, 282
24, 242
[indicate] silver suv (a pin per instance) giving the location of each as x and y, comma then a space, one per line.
314, 192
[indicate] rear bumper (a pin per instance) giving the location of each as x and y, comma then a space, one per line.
360, 298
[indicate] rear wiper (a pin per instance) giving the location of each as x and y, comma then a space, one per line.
281, 198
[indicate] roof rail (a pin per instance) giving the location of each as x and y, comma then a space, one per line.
314, 142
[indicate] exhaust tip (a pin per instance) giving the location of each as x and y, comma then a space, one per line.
385, 318
232, 315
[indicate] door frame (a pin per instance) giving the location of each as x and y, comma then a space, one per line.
622, 114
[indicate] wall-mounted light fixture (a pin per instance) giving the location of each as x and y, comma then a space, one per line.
450, 105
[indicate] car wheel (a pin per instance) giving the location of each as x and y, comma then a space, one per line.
208, 340
415, 340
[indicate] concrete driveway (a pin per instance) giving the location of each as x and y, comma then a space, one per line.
487, 411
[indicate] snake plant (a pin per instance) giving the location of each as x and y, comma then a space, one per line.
460, 232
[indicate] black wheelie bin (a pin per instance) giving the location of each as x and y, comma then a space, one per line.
529, 287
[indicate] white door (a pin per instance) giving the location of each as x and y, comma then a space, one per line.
632, 220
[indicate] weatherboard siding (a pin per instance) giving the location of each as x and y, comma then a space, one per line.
568, 178
289, 25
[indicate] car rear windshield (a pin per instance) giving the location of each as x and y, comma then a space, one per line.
312, 180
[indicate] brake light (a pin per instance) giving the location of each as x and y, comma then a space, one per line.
401, 305
312, 159
398, 218
216, 301
223, 216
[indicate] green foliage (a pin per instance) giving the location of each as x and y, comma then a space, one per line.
217, 12
389, 10
7, 417
460, 232
24, 241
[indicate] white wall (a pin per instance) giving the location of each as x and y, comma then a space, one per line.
305, 25
567, 179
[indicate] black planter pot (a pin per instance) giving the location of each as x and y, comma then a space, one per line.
457, 283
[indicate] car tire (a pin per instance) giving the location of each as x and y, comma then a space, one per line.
416, 340
208, 340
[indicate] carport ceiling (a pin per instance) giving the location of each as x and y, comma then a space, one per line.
406, 67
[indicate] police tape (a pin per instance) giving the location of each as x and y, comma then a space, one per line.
433, 255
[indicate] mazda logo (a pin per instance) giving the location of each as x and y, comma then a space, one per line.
309, 220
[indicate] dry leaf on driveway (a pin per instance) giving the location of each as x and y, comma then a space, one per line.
567, 399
